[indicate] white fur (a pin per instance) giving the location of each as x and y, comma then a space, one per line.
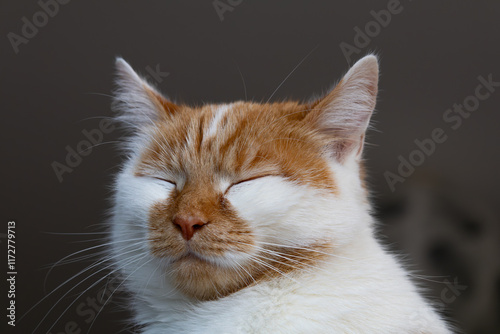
359, 289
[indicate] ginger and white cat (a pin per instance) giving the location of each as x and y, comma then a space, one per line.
254, 218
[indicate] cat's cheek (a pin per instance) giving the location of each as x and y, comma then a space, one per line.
135, 196
256, 201
275, 208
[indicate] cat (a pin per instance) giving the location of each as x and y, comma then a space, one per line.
254, 217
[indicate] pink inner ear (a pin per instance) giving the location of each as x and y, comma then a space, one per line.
345, 112
342, 148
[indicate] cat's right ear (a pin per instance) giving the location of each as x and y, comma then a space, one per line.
344, 113
137, 102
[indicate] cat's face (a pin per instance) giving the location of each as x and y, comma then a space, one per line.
227, 195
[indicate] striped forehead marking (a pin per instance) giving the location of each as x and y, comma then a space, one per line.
219, 114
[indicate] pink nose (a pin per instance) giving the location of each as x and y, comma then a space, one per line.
188, 225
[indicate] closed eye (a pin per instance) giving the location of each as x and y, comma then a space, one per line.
248, 180
164, 180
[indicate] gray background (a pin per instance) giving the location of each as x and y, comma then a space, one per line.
444, 219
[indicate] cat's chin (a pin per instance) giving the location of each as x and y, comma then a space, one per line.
204, 279
191, 256
195, 258
208, 277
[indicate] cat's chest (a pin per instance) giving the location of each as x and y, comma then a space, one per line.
283, 306
263, 311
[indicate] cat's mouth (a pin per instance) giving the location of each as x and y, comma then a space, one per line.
196, 258
204, 277
192, 256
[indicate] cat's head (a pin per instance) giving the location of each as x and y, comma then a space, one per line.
225, 195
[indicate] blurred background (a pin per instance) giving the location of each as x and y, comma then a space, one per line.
436, 197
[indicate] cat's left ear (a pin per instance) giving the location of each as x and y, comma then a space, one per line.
344, 113
137, 102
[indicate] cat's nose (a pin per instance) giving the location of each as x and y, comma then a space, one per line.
188, 225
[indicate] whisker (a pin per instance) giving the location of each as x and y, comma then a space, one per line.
136, 258
99, 144
271, 267
283, 254
73, 260
68, 280
149, 279
293, 70
243, 268
300, 264
82, 251
304, 248
100, 94
242, 80
63, 233
112, 293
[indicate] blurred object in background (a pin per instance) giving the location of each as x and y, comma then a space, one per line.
453, 243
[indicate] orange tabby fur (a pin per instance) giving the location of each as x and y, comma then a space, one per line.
228, 155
